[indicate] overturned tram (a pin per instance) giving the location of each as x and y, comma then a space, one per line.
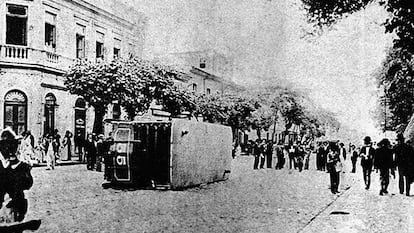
173, 154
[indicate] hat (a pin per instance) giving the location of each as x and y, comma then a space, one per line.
9, 143
367, 139
400, 137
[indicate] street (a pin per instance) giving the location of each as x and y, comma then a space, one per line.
71, 199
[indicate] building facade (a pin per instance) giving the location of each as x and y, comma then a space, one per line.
208, 71
39, 40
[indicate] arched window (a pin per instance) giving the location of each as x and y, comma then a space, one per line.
15, 111
80, 103
50, 106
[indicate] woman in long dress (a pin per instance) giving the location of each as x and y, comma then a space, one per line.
50, 153
67, 146
26, 152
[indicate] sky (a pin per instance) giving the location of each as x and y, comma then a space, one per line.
266, 39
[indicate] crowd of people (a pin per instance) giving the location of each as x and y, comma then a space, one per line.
382, 157
51, 148
263, 151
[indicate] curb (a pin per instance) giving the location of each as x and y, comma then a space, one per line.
63, 163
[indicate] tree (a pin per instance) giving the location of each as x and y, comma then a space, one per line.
133, 83
396, 75
232, 110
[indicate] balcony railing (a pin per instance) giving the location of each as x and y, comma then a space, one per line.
22, 55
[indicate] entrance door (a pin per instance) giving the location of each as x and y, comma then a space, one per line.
50, 105
15, 111
80, 122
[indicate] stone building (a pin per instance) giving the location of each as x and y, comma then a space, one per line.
39, 40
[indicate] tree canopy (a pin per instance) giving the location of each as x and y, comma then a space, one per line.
132, 83
396, 73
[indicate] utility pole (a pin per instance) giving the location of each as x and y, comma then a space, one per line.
385, 116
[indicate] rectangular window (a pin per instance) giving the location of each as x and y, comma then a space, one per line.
208, 91
16, 25
50, 30
194, 87
80, 42
80, 46
50, 35
99, 45
99, 50
202, 63
117, 48
117, 52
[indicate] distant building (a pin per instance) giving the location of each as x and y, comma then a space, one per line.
209, 72
39, 40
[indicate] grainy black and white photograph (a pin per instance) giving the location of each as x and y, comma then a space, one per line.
236, 116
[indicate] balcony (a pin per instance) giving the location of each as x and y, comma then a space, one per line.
22, 56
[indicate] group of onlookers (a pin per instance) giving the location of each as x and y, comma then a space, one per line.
264, 151
96, 148
386, 159
383, 157
51, 148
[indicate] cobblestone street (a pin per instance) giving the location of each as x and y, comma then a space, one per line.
71, 199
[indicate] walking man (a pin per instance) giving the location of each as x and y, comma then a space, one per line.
354, 157
384, 162
367, 157
404, 159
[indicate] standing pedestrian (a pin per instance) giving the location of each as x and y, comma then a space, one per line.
334, 166
269, 153
90, 149
307, 157
79, 146
50, 154
342, 151
67, 145
256, 153
262, 148
100, 151
404, 159
384, 162
107, 159
292, 150
299, 157
56, 143
367, 154
354, 158
26, 152
325, 156
319, 156
280, 157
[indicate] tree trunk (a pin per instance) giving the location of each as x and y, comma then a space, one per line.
98, 123
258, 134
274, 132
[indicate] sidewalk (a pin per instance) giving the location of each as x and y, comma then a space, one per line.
61, 163
359, 210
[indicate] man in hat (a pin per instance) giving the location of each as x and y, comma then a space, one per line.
385, 163
367, 154
15, 177
404, 159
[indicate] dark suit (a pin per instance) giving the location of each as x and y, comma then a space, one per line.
91, 154
367, 163
343, 151
404, 160
384, 162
